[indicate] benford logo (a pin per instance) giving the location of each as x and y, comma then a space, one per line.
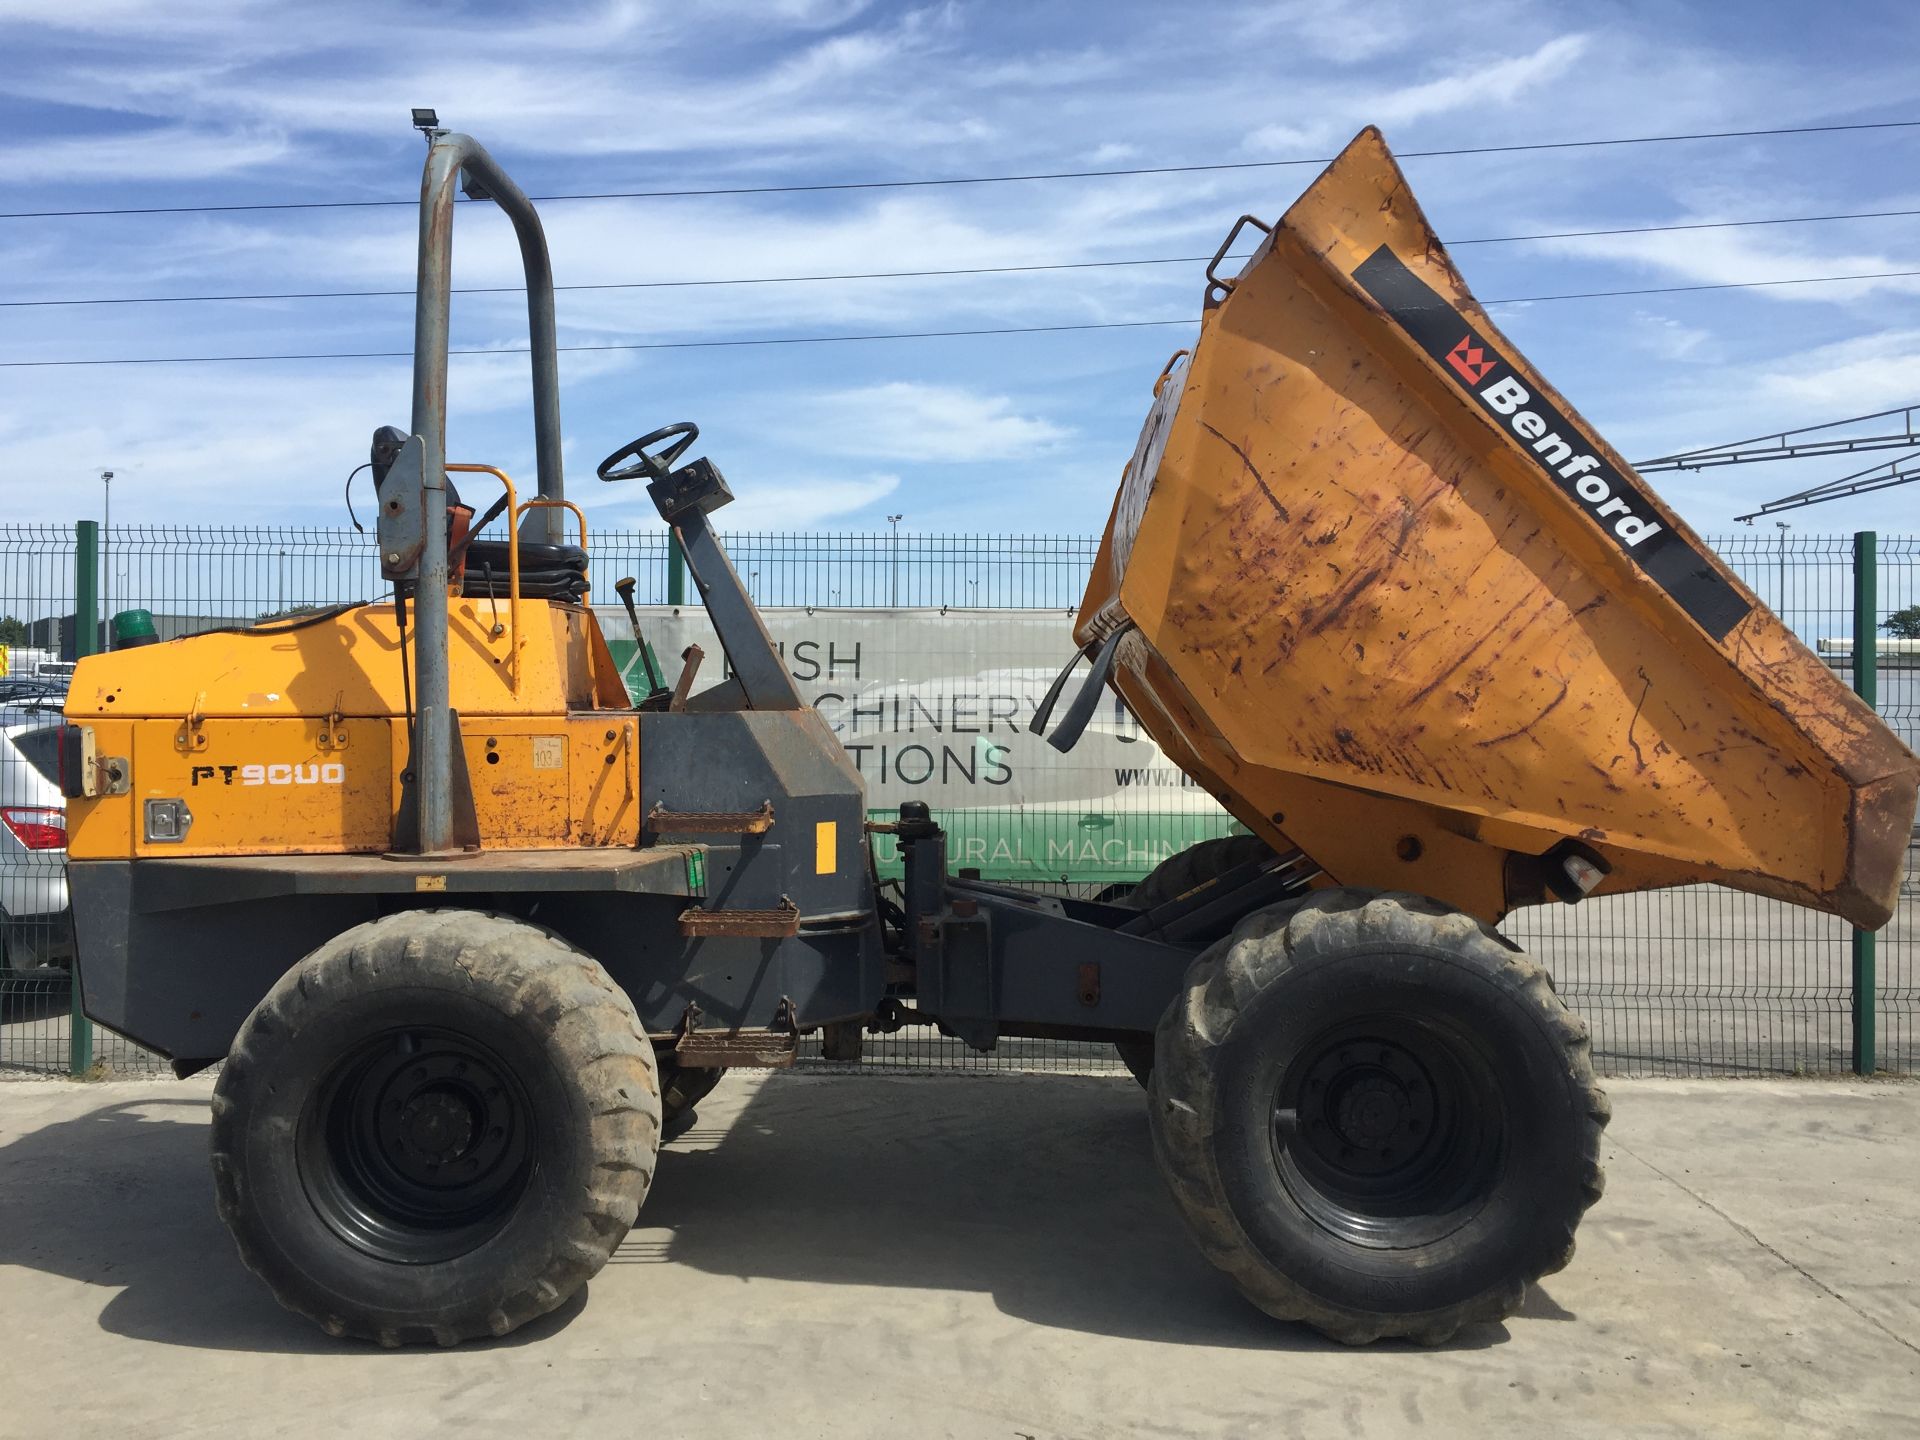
1555, 444
1592, 481
1469, 360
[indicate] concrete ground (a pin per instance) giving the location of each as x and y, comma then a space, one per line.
990, 1257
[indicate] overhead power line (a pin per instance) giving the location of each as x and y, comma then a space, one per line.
1050, 175
1038, 267
631, 345
634, 284
885, 335
1686, 225
1690, 289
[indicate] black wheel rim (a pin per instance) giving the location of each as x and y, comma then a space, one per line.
418, 1146
1390, 1131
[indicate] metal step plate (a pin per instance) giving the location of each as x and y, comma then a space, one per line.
736, 1047
711, 822
776, 924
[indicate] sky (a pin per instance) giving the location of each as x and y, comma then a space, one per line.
115, 103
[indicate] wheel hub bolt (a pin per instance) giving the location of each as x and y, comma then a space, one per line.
1371, 1111
438, 1125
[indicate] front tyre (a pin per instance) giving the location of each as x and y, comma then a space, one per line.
1377, 1116
436, 1127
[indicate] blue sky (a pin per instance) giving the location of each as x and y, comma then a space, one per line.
116, 103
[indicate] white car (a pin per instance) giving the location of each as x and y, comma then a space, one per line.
36, 925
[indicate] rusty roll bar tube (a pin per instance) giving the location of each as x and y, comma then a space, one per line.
449, 155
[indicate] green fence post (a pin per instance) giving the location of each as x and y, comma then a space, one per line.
676, 571
86, 640
1866, 624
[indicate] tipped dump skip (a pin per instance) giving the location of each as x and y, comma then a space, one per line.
1397, 604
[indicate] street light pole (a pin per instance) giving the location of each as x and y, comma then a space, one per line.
893, 596
1781, 565
106, 566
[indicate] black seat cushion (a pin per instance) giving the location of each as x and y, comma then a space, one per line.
547, 572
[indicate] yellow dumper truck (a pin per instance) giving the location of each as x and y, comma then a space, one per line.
468, 925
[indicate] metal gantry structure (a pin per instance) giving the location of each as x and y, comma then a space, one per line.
1884, 430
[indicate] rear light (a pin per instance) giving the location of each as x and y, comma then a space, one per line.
72, 765
78, 772
38, 827
1583, 873
1574, 870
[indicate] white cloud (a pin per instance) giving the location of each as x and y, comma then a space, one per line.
821, 14
1286, 141
785, 503
1476, 85
1739, 257
1344, 31
1472, 86
619, 242
1851, 377
116, 16
170, 152
1669, 338
620, 79
904, 421
240, 444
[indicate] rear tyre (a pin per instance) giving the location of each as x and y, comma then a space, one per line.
1377, 1116
435, 1127
1175, 875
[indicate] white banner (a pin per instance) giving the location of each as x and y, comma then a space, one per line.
933, 705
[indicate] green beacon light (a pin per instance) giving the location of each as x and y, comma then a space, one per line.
133, 627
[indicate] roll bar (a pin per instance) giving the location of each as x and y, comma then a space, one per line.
451, 155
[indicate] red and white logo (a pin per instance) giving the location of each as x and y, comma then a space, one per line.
1469, 361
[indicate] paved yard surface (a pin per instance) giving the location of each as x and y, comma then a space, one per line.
991, 1257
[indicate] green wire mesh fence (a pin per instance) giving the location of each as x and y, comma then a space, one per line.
1696, 981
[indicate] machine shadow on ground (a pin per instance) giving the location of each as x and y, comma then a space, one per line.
121, 1198
1040, 1191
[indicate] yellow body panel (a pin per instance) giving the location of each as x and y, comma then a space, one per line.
292, 739
567, 780
1398, 606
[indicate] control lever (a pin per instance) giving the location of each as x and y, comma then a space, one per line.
657, 693
690, 659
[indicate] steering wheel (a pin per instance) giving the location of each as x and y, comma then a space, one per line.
647, 464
